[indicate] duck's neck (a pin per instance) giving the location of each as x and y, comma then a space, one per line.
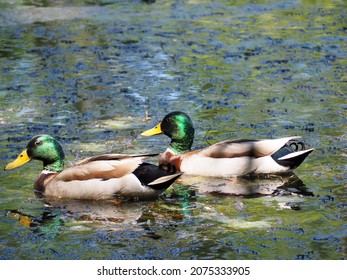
181, 146
56, 166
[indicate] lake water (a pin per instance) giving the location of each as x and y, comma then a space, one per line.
88, 72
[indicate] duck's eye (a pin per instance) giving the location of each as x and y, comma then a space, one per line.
38, 143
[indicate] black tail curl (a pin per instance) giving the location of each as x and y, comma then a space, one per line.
288, 148
297, 145
168, 167
148, 172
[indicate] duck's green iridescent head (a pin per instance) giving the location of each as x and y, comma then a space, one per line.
179, 127
44, 148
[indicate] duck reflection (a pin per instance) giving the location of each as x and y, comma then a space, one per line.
252, 186
110, 211
78, 214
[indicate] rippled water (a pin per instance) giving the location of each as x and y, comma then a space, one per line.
87, 73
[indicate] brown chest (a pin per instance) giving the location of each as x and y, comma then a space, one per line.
43, 180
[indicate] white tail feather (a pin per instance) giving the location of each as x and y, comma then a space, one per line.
164, 179
295, 154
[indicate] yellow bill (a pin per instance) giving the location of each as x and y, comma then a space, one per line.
23, 158
153, 131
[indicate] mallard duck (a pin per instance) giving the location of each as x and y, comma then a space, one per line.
100, 177
227, 158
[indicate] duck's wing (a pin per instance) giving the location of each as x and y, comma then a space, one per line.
102, 169
245, 148
112, 157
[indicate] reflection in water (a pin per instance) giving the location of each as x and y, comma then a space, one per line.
105, 212
80, 212
48, 222
252, 186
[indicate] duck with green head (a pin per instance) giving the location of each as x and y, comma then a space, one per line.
100, 177
228, 158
